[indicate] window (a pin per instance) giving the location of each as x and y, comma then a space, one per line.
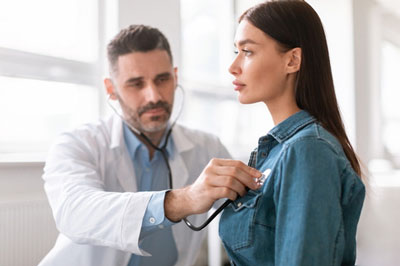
208, 29
34, 111
49, 70
66, 29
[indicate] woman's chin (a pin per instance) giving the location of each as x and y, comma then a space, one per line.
245, 100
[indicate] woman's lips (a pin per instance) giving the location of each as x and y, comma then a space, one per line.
238, 85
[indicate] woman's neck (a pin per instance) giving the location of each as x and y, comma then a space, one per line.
282, 108
284, 105
280, 115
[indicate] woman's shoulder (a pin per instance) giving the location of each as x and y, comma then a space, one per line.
313, 149
314, 136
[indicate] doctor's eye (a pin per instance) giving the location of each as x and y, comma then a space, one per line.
162, 79
136, 84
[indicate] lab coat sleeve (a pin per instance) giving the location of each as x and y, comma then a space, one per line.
223, 152
82, 209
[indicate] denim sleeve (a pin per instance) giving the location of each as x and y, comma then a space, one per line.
154, 216
309, 226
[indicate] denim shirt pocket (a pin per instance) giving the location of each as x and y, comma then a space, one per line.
237, 221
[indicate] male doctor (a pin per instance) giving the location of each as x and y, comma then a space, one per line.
108, 188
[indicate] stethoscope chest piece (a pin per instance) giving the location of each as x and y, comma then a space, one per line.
261, 180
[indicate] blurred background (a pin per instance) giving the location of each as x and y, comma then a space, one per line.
53, 61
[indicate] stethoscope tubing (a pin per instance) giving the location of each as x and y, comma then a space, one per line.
164, 154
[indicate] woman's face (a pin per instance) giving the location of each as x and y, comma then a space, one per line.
259, 67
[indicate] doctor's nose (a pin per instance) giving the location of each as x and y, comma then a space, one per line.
152, 93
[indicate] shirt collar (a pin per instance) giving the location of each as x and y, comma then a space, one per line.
291, 125
180, 136
133, 143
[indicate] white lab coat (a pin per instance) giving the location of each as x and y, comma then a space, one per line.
90, 180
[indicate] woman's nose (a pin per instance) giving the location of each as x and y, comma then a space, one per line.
234, 68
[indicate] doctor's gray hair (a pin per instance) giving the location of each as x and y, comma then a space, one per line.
136, 38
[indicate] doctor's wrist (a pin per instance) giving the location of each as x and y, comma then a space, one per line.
176, 204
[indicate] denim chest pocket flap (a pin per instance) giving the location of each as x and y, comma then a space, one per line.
247, 201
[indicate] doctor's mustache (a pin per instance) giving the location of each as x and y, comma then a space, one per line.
159, 104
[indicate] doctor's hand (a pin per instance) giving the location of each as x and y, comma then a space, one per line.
221, 178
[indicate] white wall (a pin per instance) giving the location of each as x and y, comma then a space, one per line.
378, 236
367, 38
27, 230
164, 15
20, 180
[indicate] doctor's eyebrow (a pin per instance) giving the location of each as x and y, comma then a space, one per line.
245, 41
163, 75
133, 80
157, 77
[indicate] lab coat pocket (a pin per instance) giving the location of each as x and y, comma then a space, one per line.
237, 224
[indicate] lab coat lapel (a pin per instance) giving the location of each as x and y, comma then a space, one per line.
125, 172
180, 173
121, 160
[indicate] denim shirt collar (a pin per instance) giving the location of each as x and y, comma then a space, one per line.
290, 126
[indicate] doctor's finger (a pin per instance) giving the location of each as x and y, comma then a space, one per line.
230, 183
238, 164
224, 192
237, 174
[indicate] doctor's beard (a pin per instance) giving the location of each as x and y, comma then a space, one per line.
155, 124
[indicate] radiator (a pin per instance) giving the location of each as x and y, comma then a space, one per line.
27, 232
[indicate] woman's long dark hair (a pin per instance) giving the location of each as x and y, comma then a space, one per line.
294, 23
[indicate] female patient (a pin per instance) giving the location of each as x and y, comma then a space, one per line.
307, 210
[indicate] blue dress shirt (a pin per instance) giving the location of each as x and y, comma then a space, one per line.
152, 175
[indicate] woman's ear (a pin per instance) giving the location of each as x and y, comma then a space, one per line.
294, 62
110, 90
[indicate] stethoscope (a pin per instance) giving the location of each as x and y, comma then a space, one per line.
163, 149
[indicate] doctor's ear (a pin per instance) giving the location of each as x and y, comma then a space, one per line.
110, 89
294, 60
176, 75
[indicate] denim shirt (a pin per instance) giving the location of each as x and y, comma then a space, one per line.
307, 211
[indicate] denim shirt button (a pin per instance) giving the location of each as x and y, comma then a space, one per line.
263, 154
239, 204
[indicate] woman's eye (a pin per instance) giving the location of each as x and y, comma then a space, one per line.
246, 52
